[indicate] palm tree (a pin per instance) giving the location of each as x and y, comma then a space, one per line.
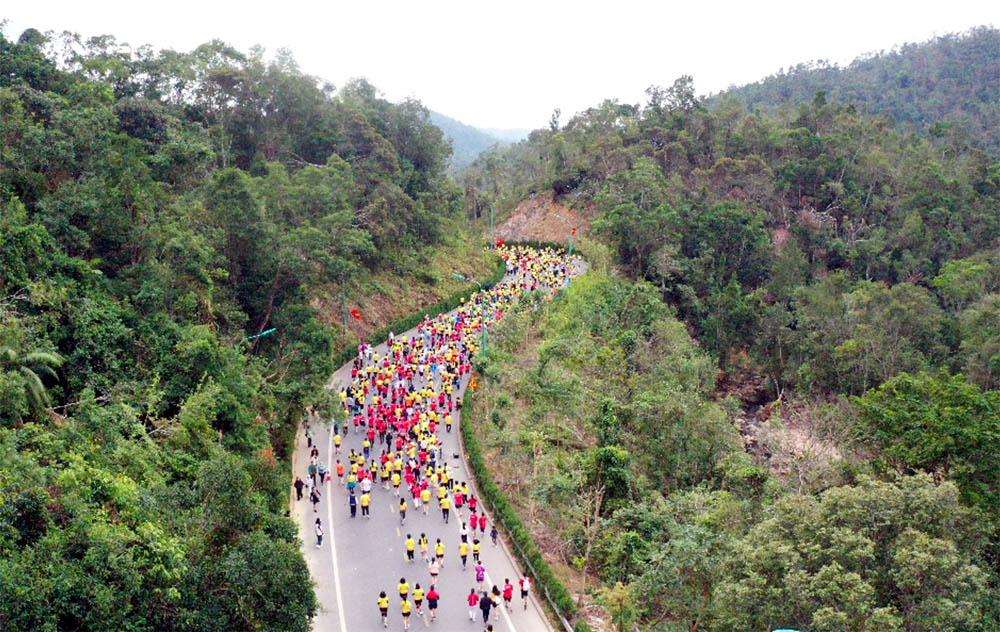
30, 365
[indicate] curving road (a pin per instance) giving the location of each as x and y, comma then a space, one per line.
361, 557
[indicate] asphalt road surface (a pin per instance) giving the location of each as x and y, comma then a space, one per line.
362, 556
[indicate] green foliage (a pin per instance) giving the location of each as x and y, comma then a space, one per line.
858, 558
737, 215
918, 85
942, 424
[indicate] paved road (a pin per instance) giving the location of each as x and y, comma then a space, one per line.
361, 557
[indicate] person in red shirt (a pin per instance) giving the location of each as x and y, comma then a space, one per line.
508, 592
473, 600
482, 524
432, 602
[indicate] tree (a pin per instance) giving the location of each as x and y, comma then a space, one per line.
29, 368
979, 328
938, 423
843, 560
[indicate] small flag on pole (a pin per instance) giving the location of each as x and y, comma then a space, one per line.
574, 230
356, 314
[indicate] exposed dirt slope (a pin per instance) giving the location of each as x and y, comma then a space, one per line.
535, 220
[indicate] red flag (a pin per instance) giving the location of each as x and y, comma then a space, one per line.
574, 230
499, 243
356, 314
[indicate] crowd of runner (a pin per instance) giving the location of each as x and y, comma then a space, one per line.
396, 404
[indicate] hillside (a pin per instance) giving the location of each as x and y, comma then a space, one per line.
837, 279
950, 79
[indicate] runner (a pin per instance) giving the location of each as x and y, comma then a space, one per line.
418, 599
473, 600
406, 607
525, 583
445, 507
411, 546
423, 547
319, 533
432, 602
383, 608
475, 551
480, 575
463, 552
439, 552
485, 604
508, 593
402, 511
434, 567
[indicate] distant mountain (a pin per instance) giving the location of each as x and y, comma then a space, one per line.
953, 78
467, 141
509, 135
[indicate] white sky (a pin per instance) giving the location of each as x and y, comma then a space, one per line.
510, 63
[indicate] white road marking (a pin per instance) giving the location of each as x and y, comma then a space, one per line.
333, 551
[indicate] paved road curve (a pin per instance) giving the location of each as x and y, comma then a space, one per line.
361, 557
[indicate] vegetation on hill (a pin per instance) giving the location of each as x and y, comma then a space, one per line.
157, 210
842, 275
924, 87
596, 417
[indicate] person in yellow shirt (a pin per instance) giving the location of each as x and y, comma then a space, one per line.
402, 511
425, 498
439, 552
423, 546
404, 588
406, 608
445, 508
396, 479
383, 608
411, 546
336, 443
366, 501
418, 599
463, 552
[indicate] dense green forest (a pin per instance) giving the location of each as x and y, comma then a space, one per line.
825, 453
922, 87
157, 209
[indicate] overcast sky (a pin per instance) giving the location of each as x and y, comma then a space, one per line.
510, 63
